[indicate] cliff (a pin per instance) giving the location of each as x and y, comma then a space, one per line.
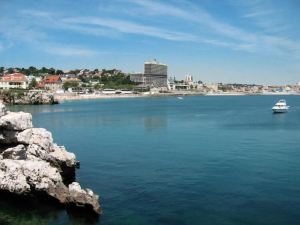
32, 165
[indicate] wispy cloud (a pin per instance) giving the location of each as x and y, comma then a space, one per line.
135, 28
100, 26
67, 50
131, 28
195, 14
264, 15
208, 28
247, 40
259, 13
26, 34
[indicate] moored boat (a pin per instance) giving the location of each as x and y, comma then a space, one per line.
280, 107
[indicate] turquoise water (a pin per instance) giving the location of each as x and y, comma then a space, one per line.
201, 160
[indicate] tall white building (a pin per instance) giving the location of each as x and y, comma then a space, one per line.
155, 74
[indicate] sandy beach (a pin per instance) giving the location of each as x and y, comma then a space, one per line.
74, 96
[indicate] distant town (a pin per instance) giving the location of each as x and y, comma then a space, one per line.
154, 80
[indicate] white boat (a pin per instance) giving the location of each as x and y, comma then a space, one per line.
280, 107
180, 98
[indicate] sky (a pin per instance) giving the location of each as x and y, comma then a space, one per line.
229, 41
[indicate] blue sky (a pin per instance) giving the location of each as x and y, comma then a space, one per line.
246, 41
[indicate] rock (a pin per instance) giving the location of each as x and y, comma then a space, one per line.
8, 136
83, 198
16, 121
28, 98
16, 153
2, 109
36, 136
21, 176
31, 164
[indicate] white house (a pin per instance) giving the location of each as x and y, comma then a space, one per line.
14, 80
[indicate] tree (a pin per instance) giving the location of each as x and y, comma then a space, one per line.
51, 71
10, 70
32, 84
70, 84
97, 86
32, 70
44, 70
59, 72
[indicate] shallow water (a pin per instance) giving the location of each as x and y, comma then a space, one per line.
201, 160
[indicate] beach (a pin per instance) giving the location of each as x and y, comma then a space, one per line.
73, 96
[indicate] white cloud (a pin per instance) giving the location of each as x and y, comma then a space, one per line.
197, 15
67, 50
131, 28
33, 27
247, 40
25, 34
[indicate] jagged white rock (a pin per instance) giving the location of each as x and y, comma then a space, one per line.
30, 162
16, 121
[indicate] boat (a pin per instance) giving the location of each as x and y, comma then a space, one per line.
280, 107
180, 98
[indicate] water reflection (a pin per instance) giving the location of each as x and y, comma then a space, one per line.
39, 108
156, 122
16, 210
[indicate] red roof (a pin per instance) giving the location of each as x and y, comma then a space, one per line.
52, 79
14, 77
40, 85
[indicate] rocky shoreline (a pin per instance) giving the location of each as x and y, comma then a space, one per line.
32, 166
14, 97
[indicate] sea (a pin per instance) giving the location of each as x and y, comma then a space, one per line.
200, 160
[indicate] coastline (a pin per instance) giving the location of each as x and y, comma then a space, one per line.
71, 96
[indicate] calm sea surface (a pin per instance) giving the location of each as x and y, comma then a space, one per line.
164, 161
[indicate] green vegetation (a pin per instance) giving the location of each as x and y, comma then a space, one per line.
119, 81
32, 70
98, 79
32, 84
70, 84
10, 95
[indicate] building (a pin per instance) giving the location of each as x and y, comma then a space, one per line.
213, 87
173, 85
188, 79
52, 82
155, 74
36, 78
14, 80
137, 78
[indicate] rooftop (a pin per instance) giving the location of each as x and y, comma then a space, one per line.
52, 79
14, 77
154, 61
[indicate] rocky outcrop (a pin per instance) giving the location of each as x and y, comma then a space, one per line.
27, 97
31, 164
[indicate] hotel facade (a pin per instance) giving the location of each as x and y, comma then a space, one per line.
155, 75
